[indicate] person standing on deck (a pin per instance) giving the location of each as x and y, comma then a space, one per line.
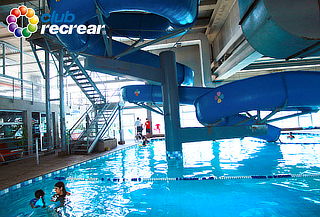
138, 126
148, 126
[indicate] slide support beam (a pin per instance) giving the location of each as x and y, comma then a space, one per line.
170, 96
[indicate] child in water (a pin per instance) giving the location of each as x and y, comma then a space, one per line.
60, 194
38, 201
145, 141
290, 136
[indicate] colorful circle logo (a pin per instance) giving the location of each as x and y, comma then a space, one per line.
137, 92
219, 97
12, 19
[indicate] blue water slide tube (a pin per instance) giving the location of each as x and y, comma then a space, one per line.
295, 90
153, 93
188, 95
143, 19
282, 29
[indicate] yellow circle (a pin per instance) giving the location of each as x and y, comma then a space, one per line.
30, 13
34, 20
219, 100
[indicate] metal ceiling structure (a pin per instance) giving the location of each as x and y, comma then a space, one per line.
213, 17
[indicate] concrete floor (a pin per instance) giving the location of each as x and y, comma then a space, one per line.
19, 171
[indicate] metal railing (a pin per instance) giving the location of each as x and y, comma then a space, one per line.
15, 88
16, 149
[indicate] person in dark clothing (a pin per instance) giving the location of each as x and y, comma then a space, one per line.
60, 194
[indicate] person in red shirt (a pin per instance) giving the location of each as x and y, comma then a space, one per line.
148, 126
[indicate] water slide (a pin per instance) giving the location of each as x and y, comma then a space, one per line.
142, 19
294, 91
153, 19
281, 29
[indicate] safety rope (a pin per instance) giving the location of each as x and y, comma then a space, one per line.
278, 176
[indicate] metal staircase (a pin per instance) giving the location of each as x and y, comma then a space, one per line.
97, 120
80, 76
99, 117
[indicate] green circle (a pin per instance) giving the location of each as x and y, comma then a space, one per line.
32, 28
26, 33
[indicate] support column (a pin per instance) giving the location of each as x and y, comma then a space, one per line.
48, 105
27, 125
120, 127
171, 104
149, 116
21, 67
3, 59
63, 129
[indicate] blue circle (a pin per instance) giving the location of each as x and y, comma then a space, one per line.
18, 32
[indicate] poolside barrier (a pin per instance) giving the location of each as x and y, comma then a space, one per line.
278, 176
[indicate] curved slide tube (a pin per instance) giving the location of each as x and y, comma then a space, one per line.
296, 90
282, 29
156, 18
188, 95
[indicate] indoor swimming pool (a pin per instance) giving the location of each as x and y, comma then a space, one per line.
110, 185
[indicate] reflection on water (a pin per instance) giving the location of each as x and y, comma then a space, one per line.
276, 197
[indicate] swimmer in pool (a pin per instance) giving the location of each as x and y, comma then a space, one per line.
60, 194
38, 201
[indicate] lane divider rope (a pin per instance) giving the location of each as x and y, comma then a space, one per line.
279, 176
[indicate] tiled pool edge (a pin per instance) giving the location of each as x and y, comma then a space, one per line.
63, 169
58, 171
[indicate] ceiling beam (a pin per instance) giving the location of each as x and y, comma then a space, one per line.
207, 5
201, 23
208, 2
219, 17
128, 70
6, 36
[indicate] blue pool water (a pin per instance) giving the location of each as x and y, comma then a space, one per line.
93, 195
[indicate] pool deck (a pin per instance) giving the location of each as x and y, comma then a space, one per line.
19, 171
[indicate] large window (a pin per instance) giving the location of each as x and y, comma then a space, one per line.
11, 124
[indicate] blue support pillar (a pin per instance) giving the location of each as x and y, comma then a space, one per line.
63, 129
48, 104
171, 104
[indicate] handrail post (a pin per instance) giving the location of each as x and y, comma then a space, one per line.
37, 150
32, 94
3, 59
13, 89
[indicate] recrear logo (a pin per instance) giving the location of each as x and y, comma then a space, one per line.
53, 23
28, 13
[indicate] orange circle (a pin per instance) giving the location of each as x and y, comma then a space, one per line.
23, 10
30, 13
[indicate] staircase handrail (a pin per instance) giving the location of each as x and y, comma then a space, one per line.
105, 107
80, 120
104, 128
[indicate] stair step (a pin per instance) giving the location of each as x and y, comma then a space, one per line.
75, 151
67, 59
81, 146
78, 74
73, 70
